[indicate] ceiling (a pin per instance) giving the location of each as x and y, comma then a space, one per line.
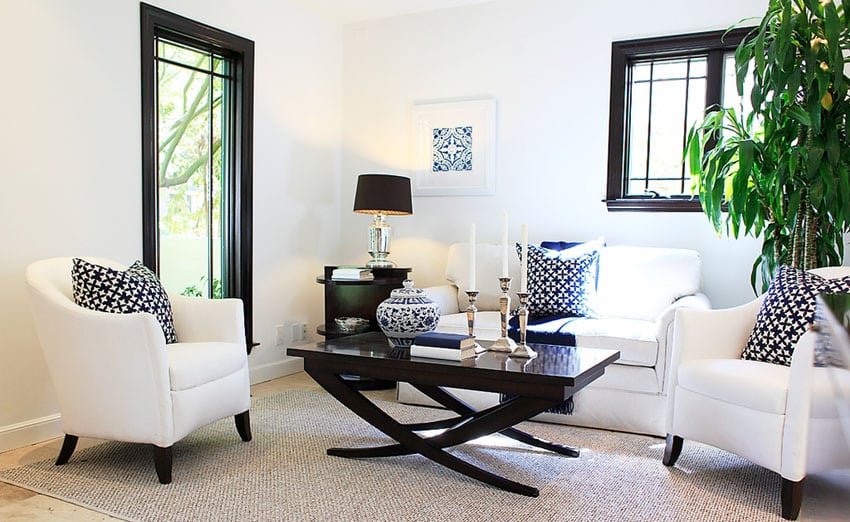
351, 11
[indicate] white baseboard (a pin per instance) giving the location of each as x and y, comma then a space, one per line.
30, 432
267, 372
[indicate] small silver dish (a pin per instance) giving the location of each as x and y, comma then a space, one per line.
352, 324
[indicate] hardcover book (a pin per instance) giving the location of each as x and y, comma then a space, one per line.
352, 274
449, 354
444, 340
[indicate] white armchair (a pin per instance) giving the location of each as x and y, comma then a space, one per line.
779, 417
116, 379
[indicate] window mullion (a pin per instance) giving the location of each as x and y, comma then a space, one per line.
210, 185
685, 122
649, 127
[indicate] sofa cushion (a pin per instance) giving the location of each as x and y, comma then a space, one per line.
136, 289
752, 384
640, 282
561, 282
634, 339
195, 364
787, 312
487, 325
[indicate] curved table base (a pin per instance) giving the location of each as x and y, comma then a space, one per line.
468, 425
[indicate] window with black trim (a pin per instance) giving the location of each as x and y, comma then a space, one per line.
197, 142
660, 87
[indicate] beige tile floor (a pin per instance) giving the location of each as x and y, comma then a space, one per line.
827, 496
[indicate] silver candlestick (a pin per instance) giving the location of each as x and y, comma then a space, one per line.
522, 349
472, 295
503, 343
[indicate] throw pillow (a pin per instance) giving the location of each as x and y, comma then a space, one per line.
137, 289
559, 283
786, 313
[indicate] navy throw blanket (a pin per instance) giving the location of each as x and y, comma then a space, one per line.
547, 330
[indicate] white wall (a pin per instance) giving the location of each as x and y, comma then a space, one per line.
547, 63
70, 162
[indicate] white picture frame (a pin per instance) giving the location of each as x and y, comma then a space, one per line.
454, 148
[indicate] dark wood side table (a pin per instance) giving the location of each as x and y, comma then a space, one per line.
358, 299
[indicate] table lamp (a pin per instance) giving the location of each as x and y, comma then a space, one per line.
382, 195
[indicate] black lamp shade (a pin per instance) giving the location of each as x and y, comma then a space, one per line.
383, 194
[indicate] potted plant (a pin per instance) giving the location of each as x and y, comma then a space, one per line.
782, 170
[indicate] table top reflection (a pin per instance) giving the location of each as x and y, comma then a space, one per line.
551, 360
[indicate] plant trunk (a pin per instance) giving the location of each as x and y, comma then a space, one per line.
804, 253
810, 252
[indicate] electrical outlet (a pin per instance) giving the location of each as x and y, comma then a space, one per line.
296, 333
304, 332
280, 335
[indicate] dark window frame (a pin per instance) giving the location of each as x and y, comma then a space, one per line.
713, 44
156, 23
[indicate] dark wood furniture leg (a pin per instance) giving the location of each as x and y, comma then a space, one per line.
68, 447
494, 420
243, 425
672, 449
792, 498
162, 459
442, 396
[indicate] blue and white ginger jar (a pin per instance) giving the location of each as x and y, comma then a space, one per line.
407, 313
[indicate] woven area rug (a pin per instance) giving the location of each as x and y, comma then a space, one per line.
284, 474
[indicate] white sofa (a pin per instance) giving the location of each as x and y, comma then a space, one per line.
638, 292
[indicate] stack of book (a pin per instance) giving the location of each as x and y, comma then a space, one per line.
348, 273
453, 347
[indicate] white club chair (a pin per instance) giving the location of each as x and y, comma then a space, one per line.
779, 417
116, 379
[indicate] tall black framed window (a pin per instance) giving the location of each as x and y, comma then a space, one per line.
660, 87
197, 159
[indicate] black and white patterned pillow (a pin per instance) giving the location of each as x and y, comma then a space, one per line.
787, 312
135, 290
560, 284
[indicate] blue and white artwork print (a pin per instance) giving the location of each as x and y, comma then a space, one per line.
452, 149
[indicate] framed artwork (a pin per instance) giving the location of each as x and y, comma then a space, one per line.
454, 148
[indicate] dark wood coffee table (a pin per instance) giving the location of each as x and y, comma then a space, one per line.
535, 385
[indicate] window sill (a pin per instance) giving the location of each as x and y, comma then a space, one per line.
653, 205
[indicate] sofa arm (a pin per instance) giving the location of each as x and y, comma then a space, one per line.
664, 329
198, 319
445, 296
664, 323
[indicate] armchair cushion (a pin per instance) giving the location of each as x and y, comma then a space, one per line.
560, 282
136, 289
786, 312
195, 364
752, 384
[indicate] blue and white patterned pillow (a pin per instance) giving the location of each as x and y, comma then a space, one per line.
137, 289
787, 312
560, 284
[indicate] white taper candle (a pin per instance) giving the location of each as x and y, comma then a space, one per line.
472, 287
505, 243
523, 278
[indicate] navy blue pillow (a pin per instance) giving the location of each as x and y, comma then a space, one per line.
137, 289
786, 312
560, 284
560, 245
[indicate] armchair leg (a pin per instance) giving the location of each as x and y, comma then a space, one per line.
243, 425
68, 447
672, 449
162, 460
792, 498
